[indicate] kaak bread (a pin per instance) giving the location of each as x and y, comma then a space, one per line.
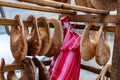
43, 74
87, 45
81, 3
105, 4
44, 30
18, 40
33, 37
29, 69
102, 49
57, 38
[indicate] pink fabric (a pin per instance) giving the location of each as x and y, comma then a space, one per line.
66, 65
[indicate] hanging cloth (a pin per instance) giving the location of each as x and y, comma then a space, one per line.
66, 65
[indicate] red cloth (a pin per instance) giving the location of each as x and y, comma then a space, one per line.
66, 65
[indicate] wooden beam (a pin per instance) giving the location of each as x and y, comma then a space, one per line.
7, 68
12, 67
115, 75
94, 70
106, 28
95, 18
13, 22
36, 8
67, 6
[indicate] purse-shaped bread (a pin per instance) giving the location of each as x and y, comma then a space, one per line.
44, 30
105, 4
33, 37
57, 38
43, 73
18, 40
29, 69
2, 63
87, 45
81, 3
102, 49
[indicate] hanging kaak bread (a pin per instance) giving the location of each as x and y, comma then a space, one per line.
43, 73
44, 30
102, 48
2, 63
94, 37
33, 37
27, 73
89, 4
105, 4
29, 69
87, 45
18, 40
84, 3
81, 3
57, 38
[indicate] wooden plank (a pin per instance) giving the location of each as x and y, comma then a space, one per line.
116, 55
67, 6
36, 8
94, 70
95, 18
12, 67
115, 75
106, 28
7, 68
12, 22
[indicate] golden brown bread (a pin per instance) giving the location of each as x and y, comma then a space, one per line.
57, 38
89, 4
18, 40
33, 37
2, 63
98, 4
29, 69
84, 3
45, 35
81, 3
102, 49
43, 73
105, 4
28, 73
87, 45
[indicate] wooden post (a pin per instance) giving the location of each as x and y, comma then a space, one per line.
115, 75
4, 16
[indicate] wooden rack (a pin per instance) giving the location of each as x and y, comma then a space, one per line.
71, 12
7, 68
